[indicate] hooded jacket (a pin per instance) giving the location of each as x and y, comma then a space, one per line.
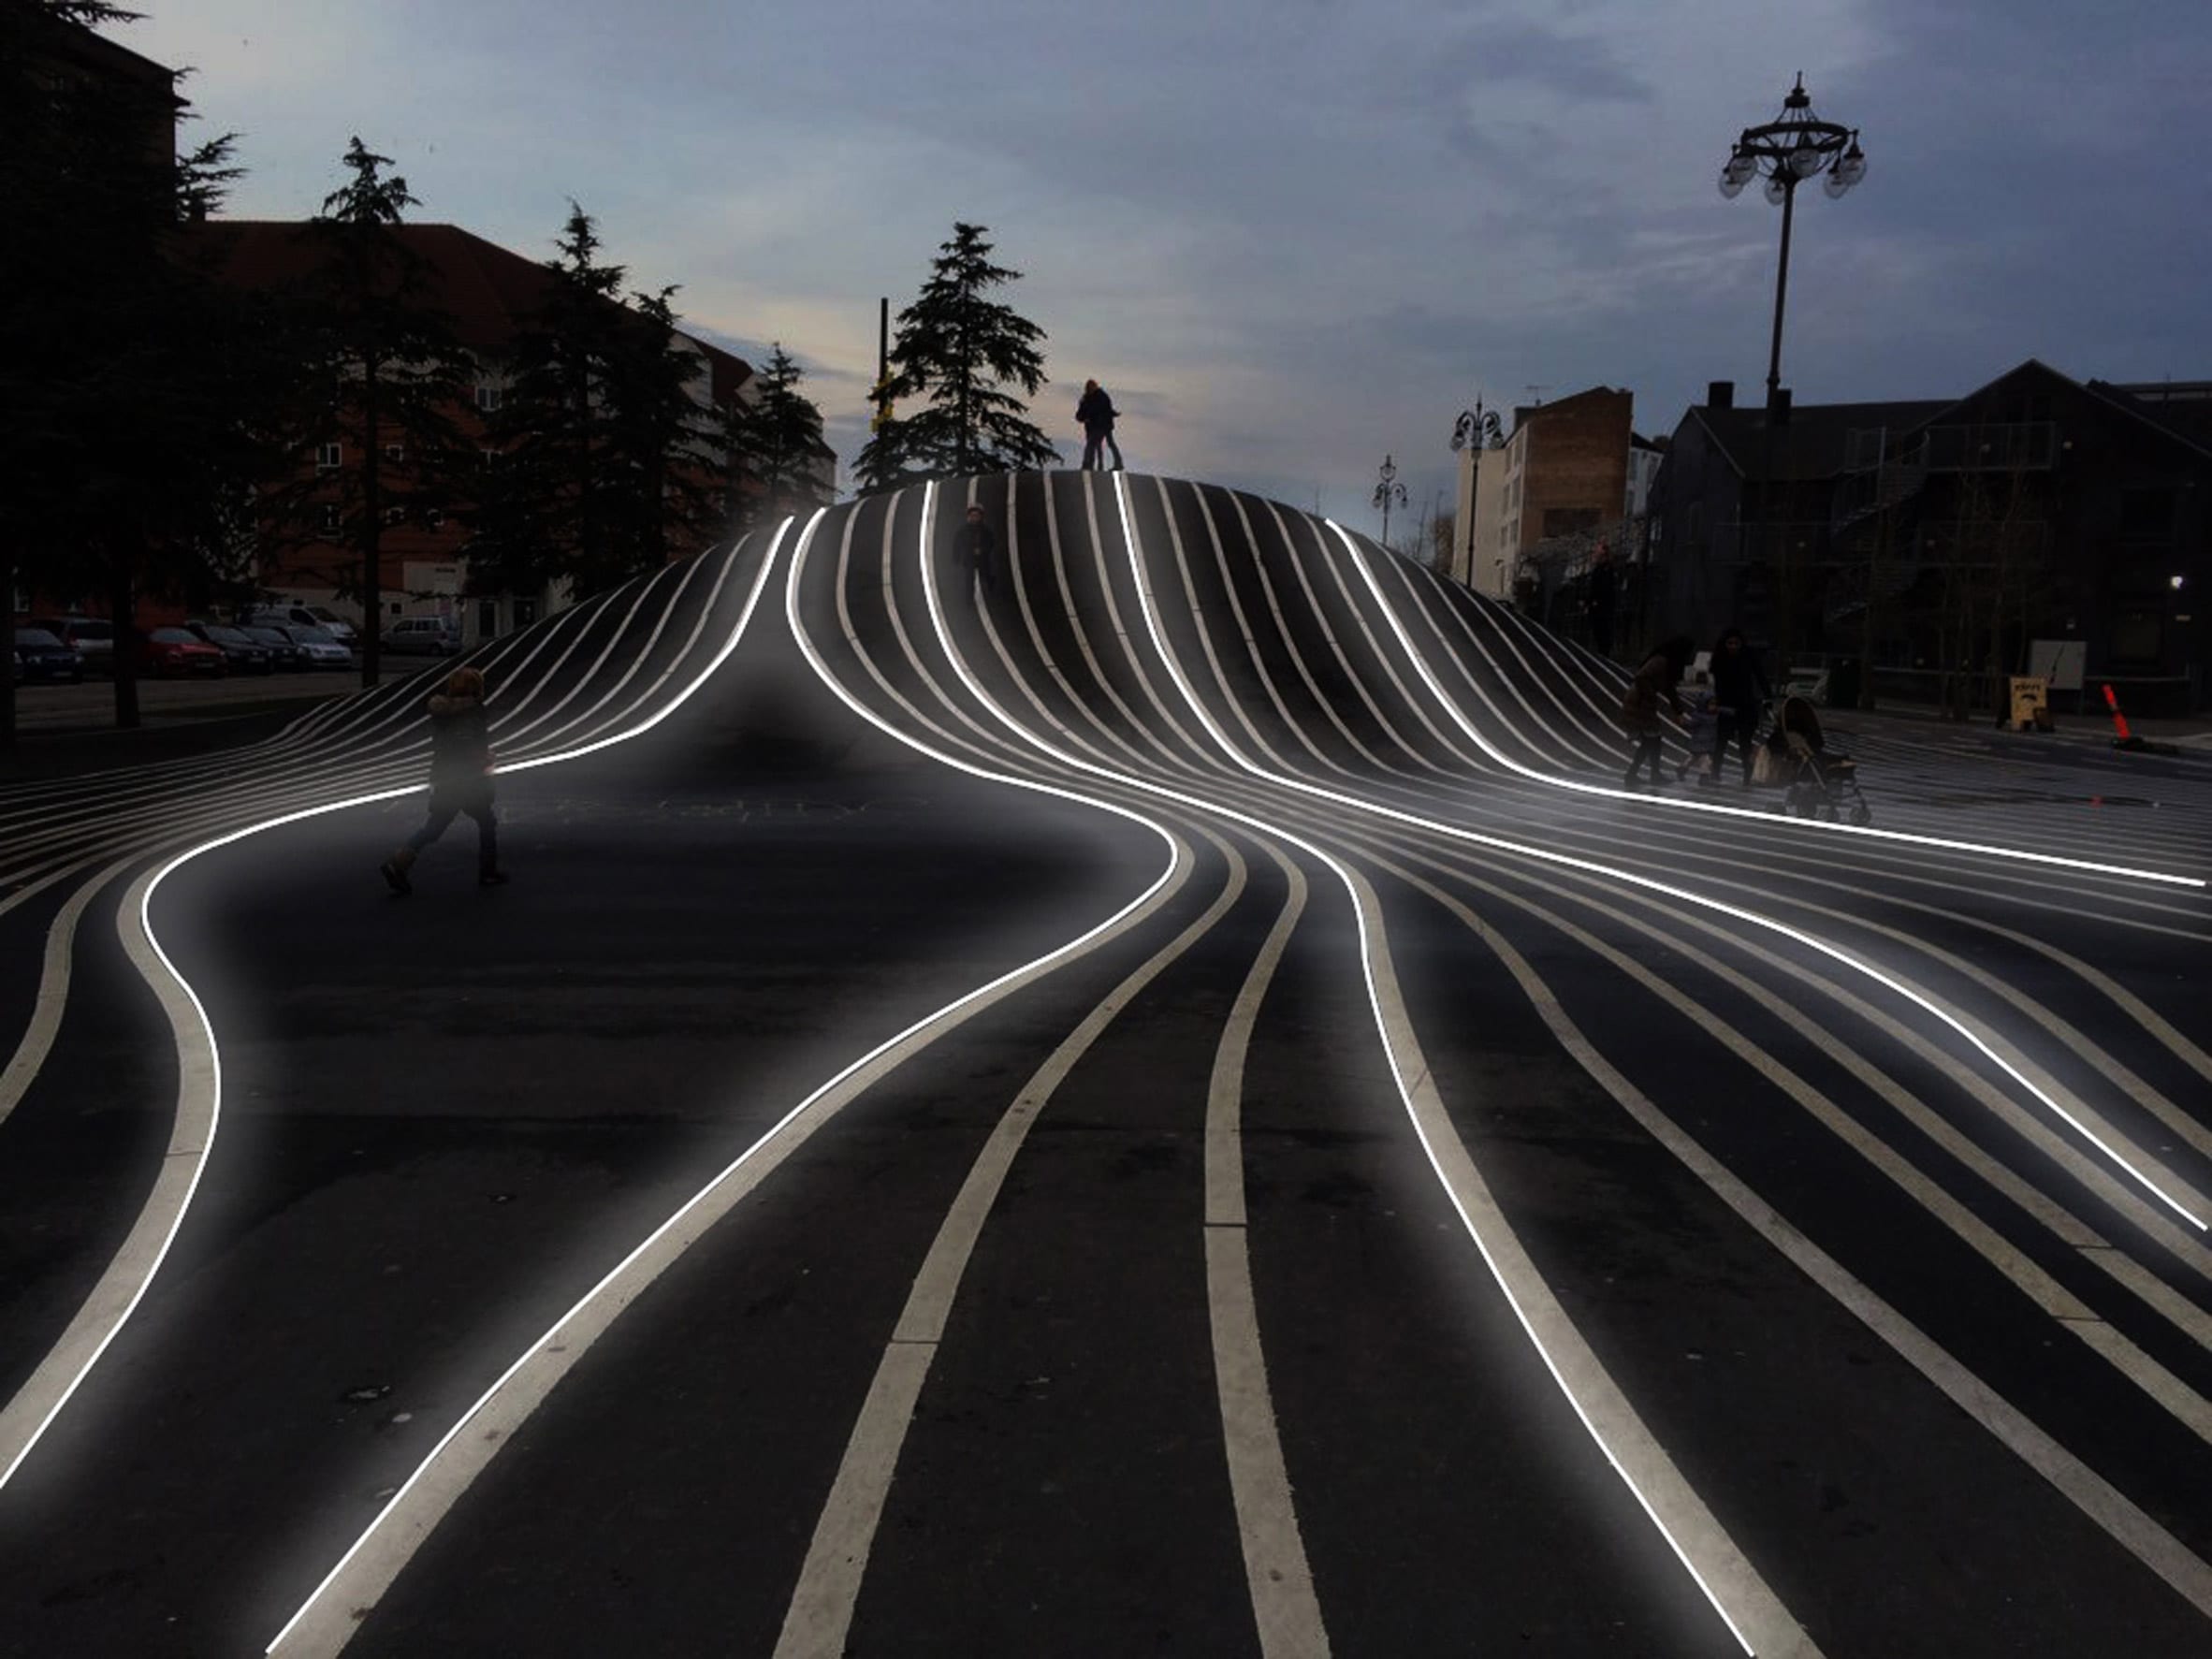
1096, 411
460, 744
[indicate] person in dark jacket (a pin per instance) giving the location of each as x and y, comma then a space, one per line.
1740, 691
1603, 588
1096, 413
460, 780
1658, 678
979, 551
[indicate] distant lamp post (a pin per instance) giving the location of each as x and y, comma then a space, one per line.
1388, 489
1789, 152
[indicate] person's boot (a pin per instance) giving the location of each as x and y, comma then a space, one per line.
395, 870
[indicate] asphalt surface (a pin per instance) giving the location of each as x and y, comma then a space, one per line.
1344, 1177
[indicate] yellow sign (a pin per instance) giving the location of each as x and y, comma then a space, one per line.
2032, 703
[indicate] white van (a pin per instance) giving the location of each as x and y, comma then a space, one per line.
433, 636
306, 616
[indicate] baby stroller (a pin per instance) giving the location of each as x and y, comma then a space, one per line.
1819, 783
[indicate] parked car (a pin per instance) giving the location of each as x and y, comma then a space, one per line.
305, 616
241, 650
285, 654
178, 651
317, 646
430, 635
41, 654
92, 638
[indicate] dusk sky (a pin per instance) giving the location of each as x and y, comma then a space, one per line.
1292, 237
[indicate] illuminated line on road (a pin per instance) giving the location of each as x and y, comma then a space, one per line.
123, 1285
1522, 1288
325, 1622
1545, 855
1436, 691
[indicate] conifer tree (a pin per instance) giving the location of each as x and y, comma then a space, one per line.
609, 446
391, 366
961, 349
773, 439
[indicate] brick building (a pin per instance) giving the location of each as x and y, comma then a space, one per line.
489, 294
1565, 469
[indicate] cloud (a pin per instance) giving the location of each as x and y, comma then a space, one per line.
1294, 236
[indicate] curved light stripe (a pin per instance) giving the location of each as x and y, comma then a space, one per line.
1545, 855
1524, 1290
319, 1624
1429, 678
50, 1388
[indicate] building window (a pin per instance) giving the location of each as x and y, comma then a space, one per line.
434, 518
487, 398
395, 453
395, 514
329, 457
1694, 522
491, 458
333, 518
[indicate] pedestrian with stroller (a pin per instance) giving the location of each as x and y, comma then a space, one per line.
1739, 691
1095, 412
979, 551
1640, 706
461, 781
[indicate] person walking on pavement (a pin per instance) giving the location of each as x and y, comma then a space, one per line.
1740, 691
1096, 413
460, 780
1640, 707
978, 550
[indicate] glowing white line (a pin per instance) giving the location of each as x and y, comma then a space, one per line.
1396, 1033
1543, 855
1451, 707
215, 1093
1004, 984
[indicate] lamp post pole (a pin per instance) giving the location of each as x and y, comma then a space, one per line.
1789, 151
1781, 290
1387, 489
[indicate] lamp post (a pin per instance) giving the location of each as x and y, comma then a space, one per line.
1791, 150
1794, 148
1475, 430
1387, 489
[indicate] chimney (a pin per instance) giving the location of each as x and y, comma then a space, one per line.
1720, 394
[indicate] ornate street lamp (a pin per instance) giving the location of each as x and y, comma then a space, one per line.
1798, 146
1478, 427
1388, 488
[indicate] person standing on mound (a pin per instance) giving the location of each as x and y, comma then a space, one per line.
460, 780
1095, 413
